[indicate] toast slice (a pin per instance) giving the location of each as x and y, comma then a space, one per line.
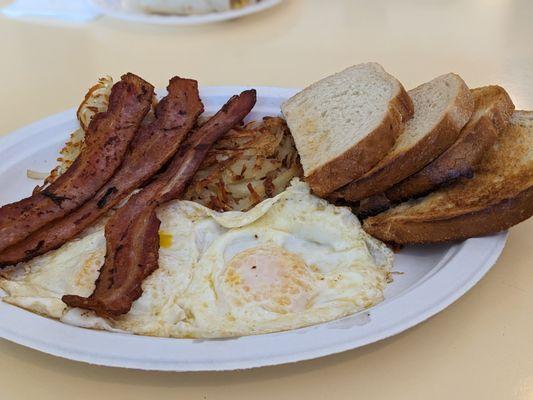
499, 196
443, 106
345, 123
493, 109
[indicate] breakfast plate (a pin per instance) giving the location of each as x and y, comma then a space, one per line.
120, 10
426, 279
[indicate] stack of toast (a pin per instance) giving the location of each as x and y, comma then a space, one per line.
436, 163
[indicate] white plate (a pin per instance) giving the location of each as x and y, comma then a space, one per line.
119, 9
433, 278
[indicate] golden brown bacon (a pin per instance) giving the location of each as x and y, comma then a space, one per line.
131, 234
107, 140
151, 148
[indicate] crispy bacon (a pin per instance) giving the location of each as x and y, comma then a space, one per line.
107, 139
131, 234
151, 148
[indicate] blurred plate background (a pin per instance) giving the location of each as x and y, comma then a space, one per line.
119, 9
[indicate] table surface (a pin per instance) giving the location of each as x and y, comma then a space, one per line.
480, 347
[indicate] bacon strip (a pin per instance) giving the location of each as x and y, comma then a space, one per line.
151, 148
131, 234
107, 139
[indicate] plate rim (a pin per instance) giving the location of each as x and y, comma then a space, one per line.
198, 19
483, 253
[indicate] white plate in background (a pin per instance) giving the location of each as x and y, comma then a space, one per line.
119, 9
428, 279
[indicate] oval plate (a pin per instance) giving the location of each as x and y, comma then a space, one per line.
428, 279
118, 9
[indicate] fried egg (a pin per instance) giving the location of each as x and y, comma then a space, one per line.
291, 261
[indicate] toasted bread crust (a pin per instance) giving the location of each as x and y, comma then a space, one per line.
361, 158
490, 219
456, 162
399, 167
461, 159
371, 206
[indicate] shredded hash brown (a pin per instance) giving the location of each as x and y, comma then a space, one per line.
96, 100
246, 166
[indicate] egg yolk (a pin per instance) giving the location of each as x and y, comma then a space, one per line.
272, 277
165, 240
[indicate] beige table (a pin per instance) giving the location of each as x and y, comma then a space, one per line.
481, 347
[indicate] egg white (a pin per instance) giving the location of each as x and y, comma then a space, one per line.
291, 261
